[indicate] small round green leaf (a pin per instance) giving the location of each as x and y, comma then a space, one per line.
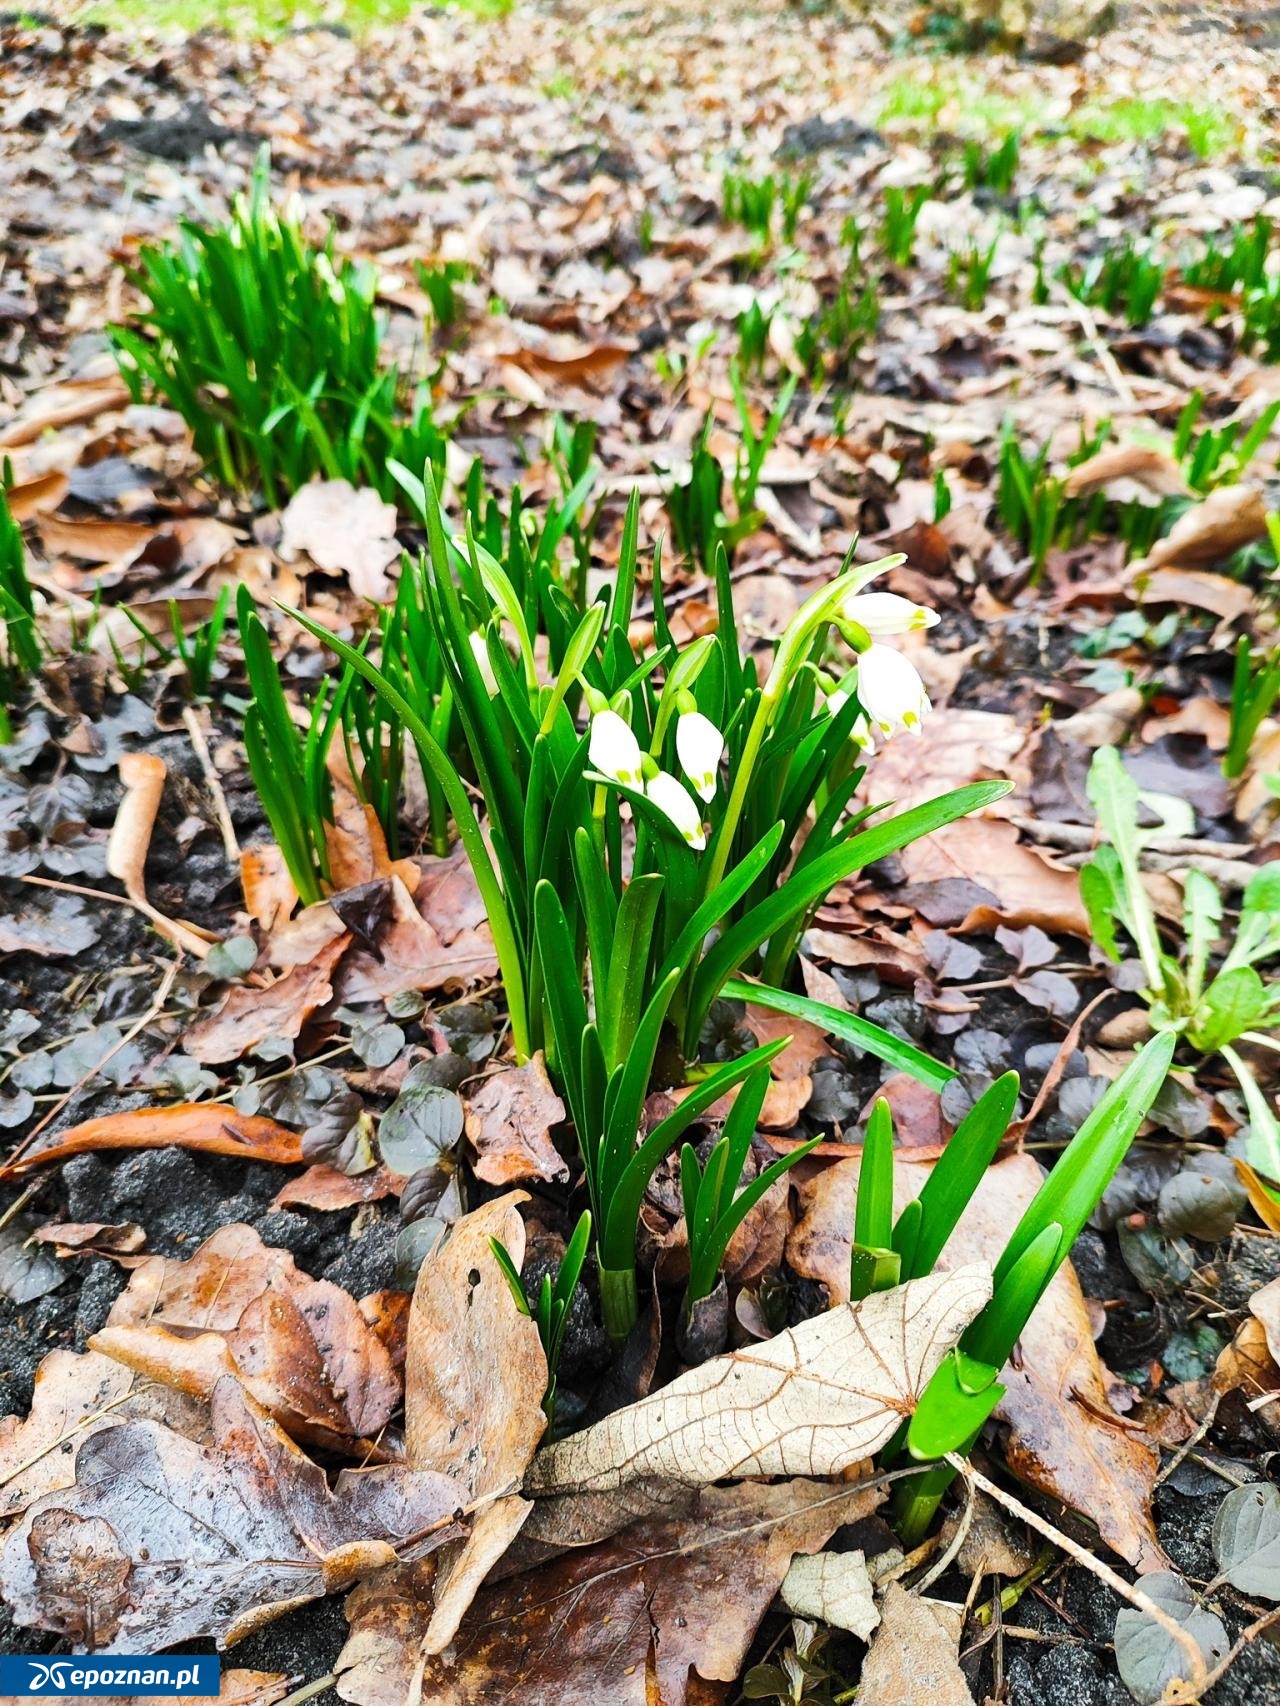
1246, 1539
1147, 1656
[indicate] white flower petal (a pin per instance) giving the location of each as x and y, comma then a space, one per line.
882, 613
700, 747
891, 691
614, 750
670, 796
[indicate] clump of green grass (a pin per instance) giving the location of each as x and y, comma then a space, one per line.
271, 350
1209, 130
1125, 282
267, 18
993, 169
901, 216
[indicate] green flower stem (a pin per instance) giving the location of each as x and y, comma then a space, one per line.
793, 649
916, 1499
619, 1304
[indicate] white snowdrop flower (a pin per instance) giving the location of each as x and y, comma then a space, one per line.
614, 750
484, 664
883, 613
891, 691
670, 796
700, 747
861, 734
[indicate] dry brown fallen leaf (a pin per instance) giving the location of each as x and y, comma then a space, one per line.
1208, 532
73, 1396
143, 775
815, 1400
95, 541
121, 1241
644, 1619
344, 532
575, 366
475, 1375
65, 404
1220, 595
1064, 1438
299, 1345
326, 1187
434, 937
248, 1016
1027, 888
37, 496
1153, 469
912, 1657
161, 1540
950, 752
209, 1127
509, 1120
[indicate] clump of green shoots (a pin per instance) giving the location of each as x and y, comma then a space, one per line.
753, 337
1218, 456
1255, 688
271, 350
751, 202
969, 273
613, 947
1124, 282
966, 1388
440, 281
550, 1307
993, 169
831, 341
901, 215
288, 767
1029, 499
21, 650
1212, 1013
712, 1210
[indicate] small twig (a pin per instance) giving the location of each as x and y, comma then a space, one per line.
1142, 1602
1049, 1082
196, 940
214, 785
152, 1013
309, 1690
953, 1548
14, 1209
1245, 1638
1188, 1446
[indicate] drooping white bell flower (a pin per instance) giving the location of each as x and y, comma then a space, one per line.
861, 733
883, 613
484, 664
614, 750
671, 797
891, 691
700, 747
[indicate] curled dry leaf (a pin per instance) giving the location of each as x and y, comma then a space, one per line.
434, 937
815, 1400
634, 1621
1145, 465
509, 1120
249, 1016
1219, 594
1064, 1437
475, 1375
93, 1238
300, 1346
834, 1588
912, 1657
208, 1127
1208, 532
326, 1187
1024, 887
161, 1540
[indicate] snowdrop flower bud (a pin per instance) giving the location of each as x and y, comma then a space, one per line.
480, 652
700, 747
892, 693
614, 750
670, 797
882, 613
